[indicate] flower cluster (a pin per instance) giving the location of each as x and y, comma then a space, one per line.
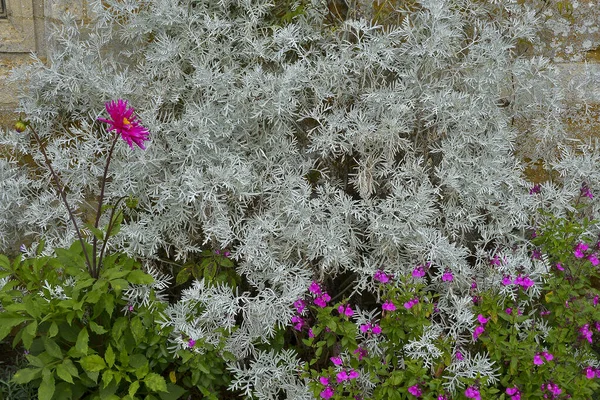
411, 303
321, 298
345, 374
481, 327
538, 360
472, 393
551, 390
591, 372
382, 277
580, 252
514, 393
370, 328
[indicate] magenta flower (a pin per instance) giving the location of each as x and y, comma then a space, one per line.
536, 254
381, 276
327, 393
585, 191
586, 332
447, 276
415, 390
495, 260
347, 311
482, 320
553, 389
442, 398
315, 288
537, 359
376, 329
336, 360
459, 356
591, 372
411, 303
364, 328
322, 300
595, 301
524, 281
478, 331
579, 249
418, 272
472, 393
508, 310
298, 322
191, 343
300, 305
310, 333
593, 258
559, 267
342, 376
124, 122
362, 353
324, 380
506, 280
514, 393
388, 306
547, 356
537, 188
353, 374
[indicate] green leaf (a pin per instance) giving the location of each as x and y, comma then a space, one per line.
52, 348
155, 382
137, 329
109, 303
4, 262
119, 327
109, 356
97, 328
119, 284
173, 392
82, 342
93, 363
183, 276
53, 331
46, 389
133, 388
139, 277
26, 375
138, 361
63, 373
69, 258
8, 321
97, 232
71, 368
29, 333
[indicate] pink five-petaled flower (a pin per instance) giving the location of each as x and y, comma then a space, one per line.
381, 276
342, 376
514, 393
524, 281
579, 249
590, 372
327, 393
593, 258
411, 303
376, 329
482, 320
388, 306
447, 276
472, 393
415, 390
125, 122
324, 380
336, 360
191, 343
507, 280
347, 311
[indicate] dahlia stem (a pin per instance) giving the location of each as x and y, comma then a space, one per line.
63, 196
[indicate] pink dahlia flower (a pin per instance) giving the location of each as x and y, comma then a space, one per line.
125, 122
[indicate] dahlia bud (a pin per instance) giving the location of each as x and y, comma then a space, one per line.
20, 126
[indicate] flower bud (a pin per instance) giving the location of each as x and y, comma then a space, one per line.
20, 126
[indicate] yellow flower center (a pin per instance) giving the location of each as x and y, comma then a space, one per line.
126, 121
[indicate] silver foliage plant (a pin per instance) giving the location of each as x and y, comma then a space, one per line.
309, 148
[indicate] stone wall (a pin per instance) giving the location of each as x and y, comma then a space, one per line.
571, 37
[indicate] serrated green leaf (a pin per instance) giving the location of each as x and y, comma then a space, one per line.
109, 356
81, 345
133, 388
71, 368
8, 321
92, 363
138, 361
63, 373
155, 382
52, 348
46, 389
26, 375
137, 329
173, 392
139, 277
